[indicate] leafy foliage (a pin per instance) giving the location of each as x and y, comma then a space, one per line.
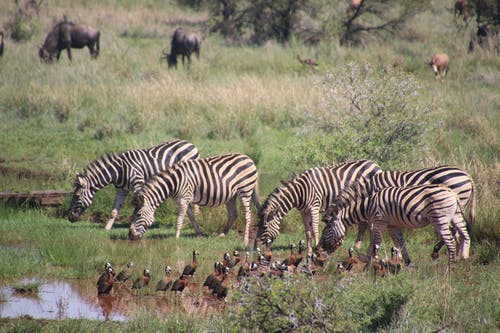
368, 113
380, 16
294, 304
258, 20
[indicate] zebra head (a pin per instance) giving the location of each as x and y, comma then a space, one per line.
269, 224
333, 234
82, 197
142, 218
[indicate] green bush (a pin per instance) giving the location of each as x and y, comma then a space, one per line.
298, 304
365, 112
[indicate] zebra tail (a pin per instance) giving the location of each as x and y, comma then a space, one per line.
472, 211
255, 198
462, 211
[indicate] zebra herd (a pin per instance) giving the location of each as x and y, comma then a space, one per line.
355, 192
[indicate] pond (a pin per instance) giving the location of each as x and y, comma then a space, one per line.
77, 299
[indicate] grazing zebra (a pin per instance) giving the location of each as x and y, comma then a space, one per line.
127, 171
395, 208
455, 178
209, 182
311, 192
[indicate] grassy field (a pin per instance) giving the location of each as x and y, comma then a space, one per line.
55, 119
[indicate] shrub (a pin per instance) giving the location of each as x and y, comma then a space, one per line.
367, 113
297, 304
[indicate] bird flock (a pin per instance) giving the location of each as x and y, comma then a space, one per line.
234, 269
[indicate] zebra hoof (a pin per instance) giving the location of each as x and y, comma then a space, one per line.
435, 255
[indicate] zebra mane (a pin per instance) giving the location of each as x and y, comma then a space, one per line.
358, 190
105, 159
272, 198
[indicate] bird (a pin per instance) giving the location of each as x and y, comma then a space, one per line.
307, 61
237, 257
278, 269
191, 268
290, 261
244, 270
231, 262
379, 266
267, 252
142, 281
125, 273
213, 278
300, 253
180, 283
309, 268
319, 258
353, 263
106, 281
165, 283
394, 266
221, 287
103, 276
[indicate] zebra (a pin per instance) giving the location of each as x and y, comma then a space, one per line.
395, 208
455, 178
311, 192
128, 171
211, 182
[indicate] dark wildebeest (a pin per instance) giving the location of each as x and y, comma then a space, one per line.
461, 9
67, 35
1, 43
183, 43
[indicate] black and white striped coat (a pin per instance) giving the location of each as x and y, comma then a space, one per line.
396, 208
127, 171
208, 182
454, 178
311, 192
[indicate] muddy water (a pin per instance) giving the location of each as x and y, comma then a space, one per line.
78, 299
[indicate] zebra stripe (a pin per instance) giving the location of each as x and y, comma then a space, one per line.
208, 182
454, 178
311, 192
127, 171
396, 208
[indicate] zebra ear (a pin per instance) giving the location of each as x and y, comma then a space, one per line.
80, 181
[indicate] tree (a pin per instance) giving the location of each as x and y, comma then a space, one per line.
377, 16
256, 21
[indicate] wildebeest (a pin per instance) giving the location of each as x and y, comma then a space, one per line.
440, 63
1, 43
67, 35
461, 9
183, 43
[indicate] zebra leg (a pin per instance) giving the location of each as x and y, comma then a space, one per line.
439, 245
306, 218
183, 204
315, 224
460, 225
442, 228
398, 239
362, 225
232, 214
120, 197
190, 214
248, 218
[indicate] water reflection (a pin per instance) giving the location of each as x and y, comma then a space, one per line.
77, 299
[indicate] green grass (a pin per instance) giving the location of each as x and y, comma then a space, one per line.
56, 119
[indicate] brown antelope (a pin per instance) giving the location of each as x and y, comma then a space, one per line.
440, 63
